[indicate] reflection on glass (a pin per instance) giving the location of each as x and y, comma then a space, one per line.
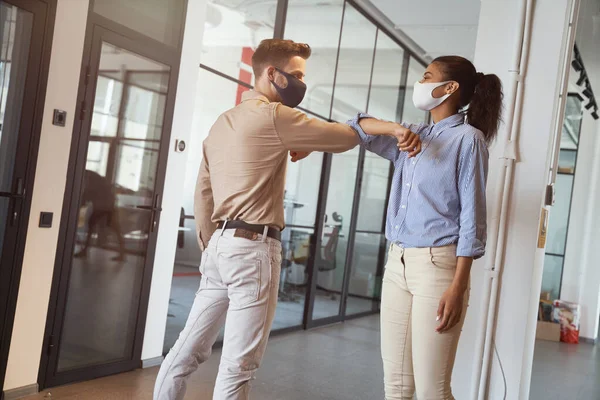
373, 194
558, 223
552, 275
302, 190
559, 217
106, 105
115, 215
232, 31
354, 65
294, 277
566, 161
16, 26
161, 20
366, 273
410, 113
572, 122
325, 19
385, 93
300, 208
330, 259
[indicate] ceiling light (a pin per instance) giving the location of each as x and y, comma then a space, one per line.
587, 92
581, 79
577, 65
591, 104
595, 115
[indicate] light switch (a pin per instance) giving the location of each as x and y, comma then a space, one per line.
60, 118
46, 219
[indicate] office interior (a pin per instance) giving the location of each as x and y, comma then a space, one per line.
105, 105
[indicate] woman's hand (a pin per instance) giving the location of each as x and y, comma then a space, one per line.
407, 141
450, 309
298, 155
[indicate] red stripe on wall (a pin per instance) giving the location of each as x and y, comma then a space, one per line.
244, 76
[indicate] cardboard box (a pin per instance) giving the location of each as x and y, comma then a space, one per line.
548, 331
545, 296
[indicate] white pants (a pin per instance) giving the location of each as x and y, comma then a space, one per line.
415, 356
239, 287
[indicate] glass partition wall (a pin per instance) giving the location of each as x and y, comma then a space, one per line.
334, 244
558, 224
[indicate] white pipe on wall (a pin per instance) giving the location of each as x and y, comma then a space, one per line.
484, 340
564, 88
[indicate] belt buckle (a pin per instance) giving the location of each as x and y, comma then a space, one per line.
245, 234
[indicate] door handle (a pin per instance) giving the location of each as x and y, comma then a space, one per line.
154, 210
149, 208
18, 194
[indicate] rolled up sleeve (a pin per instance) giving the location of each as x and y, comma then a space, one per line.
383, 146
472, 181
300, 133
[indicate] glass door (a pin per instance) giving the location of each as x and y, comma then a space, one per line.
114, 213
22, 31
329, 258
332, 247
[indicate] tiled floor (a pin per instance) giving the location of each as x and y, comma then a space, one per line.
565, 372
339, 362
342, 362
289, 312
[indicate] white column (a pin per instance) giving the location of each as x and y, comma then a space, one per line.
589, 277
48, 192
173, 191
521, 278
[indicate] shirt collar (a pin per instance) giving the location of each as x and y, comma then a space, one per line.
254, 95
449, 122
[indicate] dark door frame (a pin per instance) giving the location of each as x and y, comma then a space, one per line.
11, 255
99, 30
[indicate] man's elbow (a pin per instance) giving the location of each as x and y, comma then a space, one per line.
349, 144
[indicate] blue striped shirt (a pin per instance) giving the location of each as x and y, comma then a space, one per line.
438, 197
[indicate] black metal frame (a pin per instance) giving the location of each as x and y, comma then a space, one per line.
12, 252
99, 30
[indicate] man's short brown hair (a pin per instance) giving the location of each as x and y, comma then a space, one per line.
277, 52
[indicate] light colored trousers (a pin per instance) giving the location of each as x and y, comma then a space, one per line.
239, 287
415, 357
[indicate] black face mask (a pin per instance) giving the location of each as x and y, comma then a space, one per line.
293, 93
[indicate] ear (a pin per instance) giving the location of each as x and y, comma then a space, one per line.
271, 73
452, 87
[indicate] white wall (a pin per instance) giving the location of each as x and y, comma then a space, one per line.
185, 104
48, 191
589, 280
580, 282
521, 278
581, 277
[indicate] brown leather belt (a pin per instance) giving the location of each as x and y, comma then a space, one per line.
256, 229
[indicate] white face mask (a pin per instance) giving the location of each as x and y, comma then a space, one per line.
423, 95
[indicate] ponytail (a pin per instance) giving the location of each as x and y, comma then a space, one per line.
486, 105
481, 93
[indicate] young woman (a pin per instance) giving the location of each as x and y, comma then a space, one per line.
436, 222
